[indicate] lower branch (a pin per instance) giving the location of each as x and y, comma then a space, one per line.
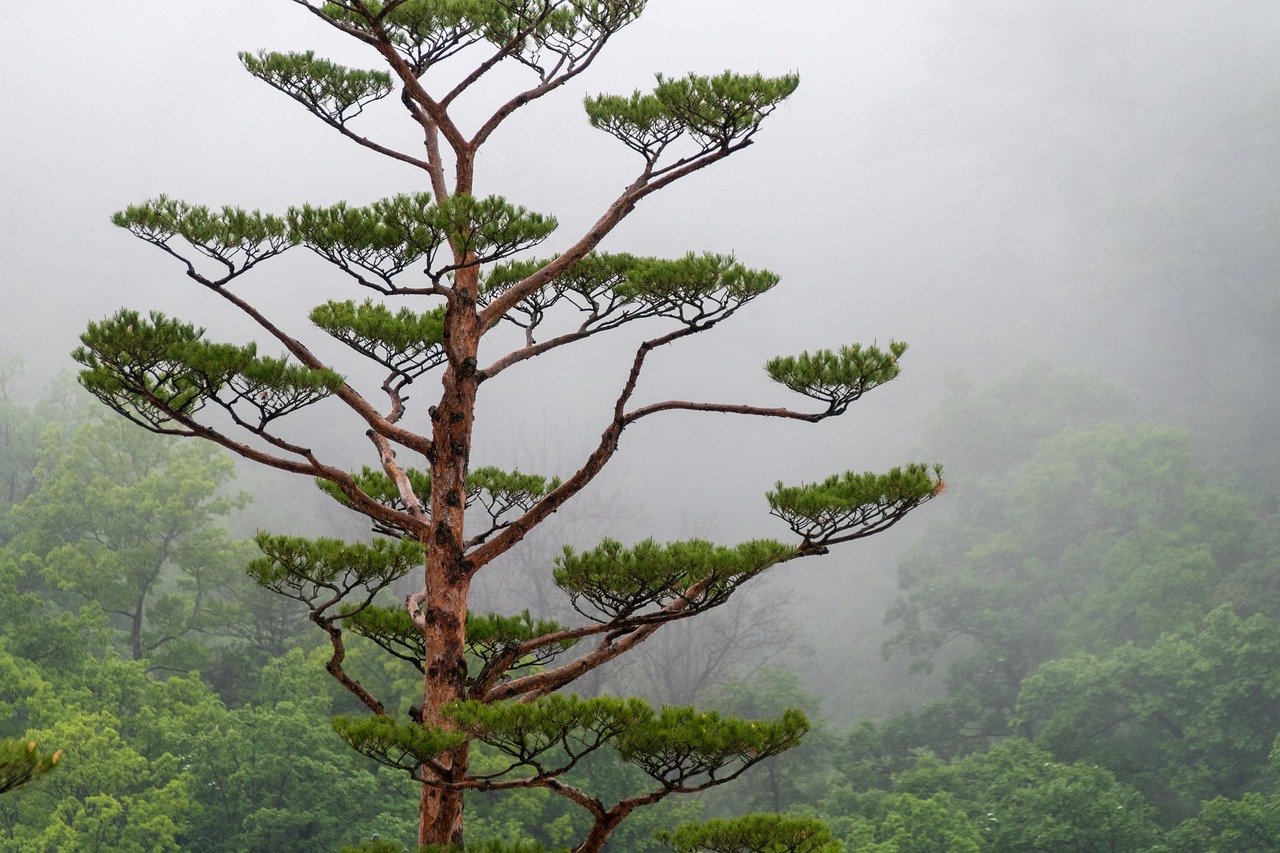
334, 666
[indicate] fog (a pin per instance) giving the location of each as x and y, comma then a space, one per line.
1087, 184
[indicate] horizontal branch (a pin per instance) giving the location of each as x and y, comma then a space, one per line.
726, 408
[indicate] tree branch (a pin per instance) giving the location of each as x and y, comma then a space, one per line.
641, 187
725, 408
345, 392
595, 462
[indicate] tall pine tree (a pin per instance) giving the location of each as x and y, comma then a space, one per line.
489, 678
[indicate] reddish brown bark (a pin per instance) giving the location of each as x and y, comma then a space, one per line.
443, 614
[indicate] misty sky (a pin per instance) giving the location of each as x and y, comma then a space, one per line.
1089, 183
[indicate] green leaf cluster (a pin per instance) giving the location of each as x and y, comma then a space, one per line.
491, 634
754, 833
850, 505
550, 734
498, 491
329, 90
394, 744
153, 368
236, 239
428, 31
680, 747
383, 239
619, 581
484, 230
377, 485
21, 762
502, 491
612, 289
379, 240
322, 572
837, 377
488, 635
716, 112
685, 747
405, 342
425, 31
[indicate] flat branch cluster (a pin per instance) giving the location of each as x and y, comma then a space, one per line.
682, 750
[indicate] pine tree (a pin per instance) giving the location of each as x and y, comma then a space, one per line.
489, 678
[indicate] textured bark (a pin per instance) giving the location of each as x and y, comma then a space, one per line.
448, 574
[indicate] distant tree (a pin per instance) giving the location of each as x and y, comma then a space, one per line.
130, 522
21, 426
1107, 535
1250, 824
1192, 717
1020, 799
166, 375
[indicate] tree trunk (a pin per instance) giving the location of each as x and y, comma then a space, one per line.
600, 833
448, 575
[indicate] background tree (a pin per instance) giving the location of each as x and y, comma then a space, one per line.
165, 375
129, 522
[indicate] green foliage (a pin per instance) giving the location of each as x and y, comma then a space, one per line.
681, 287
429, 31
716, 112
620, 581
391, 628
484, 230
850, 506
757, 833
379, 241
686, 748
425, 31
331, 91
129, 522
488, 636
235, 239
837, 378
1107, 535
20, 763
154, 369
682, 748
106, 795
613, 289
376, 243
405, 342
394, 744
882, 822
1022, 799
1186, 719
322, 573
1250, 824
377, 485
498, 492
552, 733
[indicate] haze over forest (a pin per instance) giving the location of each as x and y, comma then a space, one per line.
1070, 211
